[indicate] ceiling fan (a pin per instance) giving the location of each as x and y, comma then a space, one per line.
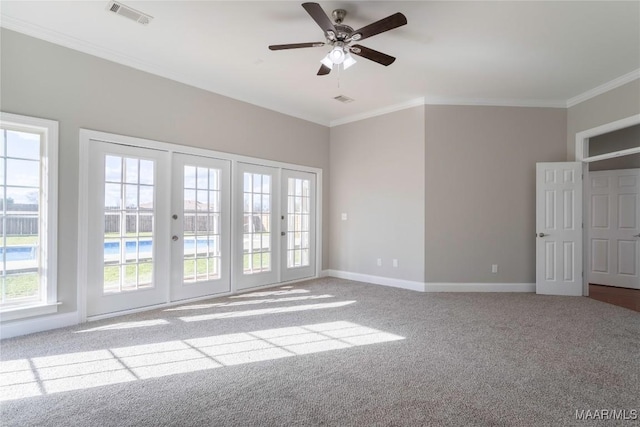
342, 37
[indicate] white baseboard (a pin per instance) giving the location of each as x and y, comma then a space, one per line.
39, 324
376, 280
431, 287
480, 287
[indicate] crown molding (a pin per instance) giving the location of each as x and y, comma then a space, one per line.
378, 112
60, 39
592, 93
449, 101
493, 102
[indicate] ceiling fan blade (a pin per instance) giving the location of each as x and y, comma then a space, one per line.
389, 23
320, 17
373, 55
324, 70
295, 45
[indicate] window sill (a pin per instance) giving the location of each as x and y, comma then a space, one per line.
16, 313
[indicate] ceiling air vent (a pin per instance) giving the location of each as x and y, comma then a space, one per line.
128, 12
343, 99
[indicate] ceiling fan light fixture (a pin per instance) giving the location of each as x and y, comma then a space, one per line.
348, 61
326, 61
337, 55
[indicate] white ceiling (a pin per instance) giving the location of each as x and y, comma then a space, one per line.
497, 53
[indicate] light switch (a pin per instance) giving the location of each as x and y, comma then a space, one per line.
344, 216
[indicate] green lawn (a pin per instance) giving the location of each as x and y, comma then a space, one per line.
145, 272
258, 259
22, 240
21, 285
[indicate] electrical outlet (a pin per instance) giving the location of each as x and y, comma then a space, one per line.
494, 268
344, 216
395, 263
379, 262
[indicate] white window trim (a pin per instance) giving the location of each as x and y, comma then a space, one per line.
49, 216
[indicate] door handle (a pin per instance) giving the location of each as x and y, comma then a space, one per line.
282, 233
637, 235
542, 235
174, 238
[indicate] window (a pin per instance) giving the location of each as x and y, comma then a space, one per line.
128, 224
257, 223
28, 192
202, 212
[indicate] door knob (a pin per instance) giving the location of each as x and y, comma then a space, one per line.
174, 238
282, 233
542, 235
174, 216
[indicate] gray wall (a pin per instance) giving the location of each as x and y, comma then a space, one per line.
614, 141
377, 179
48, 81
616, 104
480, 189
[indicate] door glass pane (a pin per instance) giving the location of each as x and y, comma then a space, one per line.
128, 224
202, 211
298, 224
257, 223
19, 217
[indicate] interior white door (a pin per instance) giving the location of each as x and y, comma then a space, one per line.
614, 228
200, 222
257, 256
127, 251
298, 225
559, 228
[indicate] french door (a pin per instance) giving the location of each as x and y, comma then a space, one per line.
200, 223
276, 217
127, 233
298, 224
256, 262
162, 228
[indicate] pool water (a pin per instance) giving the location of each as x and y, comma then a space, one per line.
146, 246
20, 253
30, 252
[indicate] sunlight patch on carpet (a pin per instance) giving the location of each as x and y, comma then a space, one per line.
38, 376
127, 325
247, 302
263, 311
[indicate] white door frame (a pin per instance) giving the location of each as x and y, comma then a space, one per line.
582, 148
85, 137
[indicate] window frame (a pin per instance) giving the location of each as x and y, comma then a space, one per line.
48, 216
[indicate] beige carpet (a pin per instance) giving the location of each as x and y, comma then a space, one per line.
331, 352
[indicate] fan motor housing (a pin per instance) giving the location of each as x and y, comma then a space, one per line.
343, 31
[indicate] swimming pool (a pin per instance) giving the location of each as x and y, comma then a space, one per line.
19, 253
111, 249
